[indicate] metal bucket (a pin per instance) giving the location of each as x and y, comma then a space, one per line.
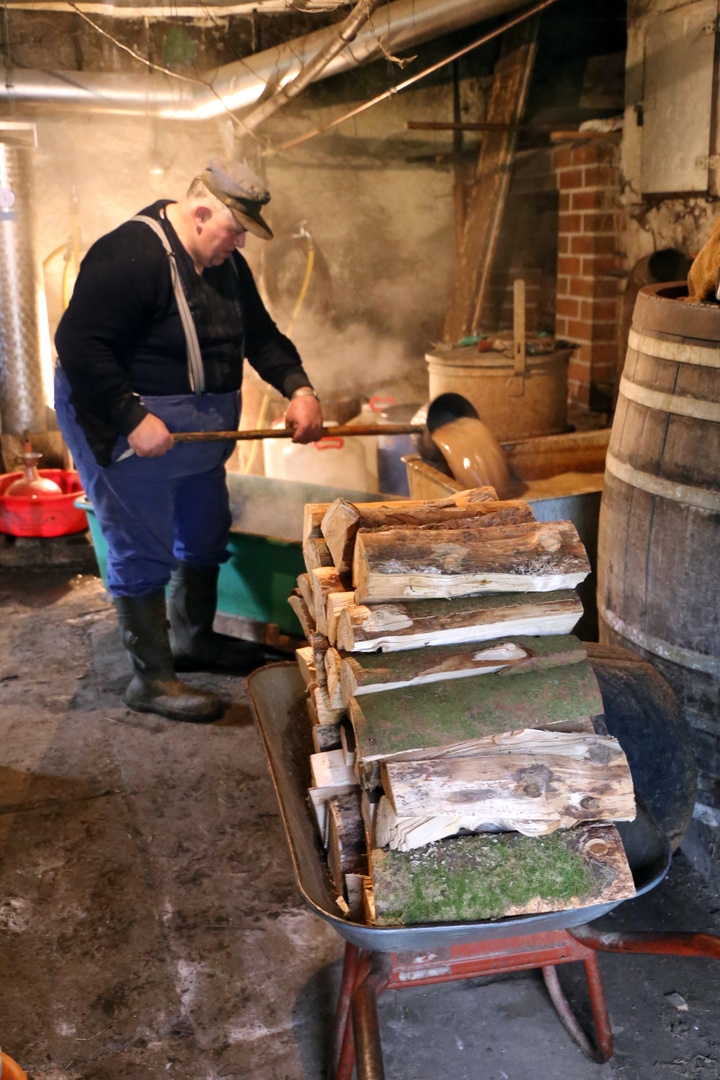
515, 404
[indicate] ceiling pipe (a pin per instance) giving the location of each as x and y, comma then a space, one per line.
347, 32
399, 25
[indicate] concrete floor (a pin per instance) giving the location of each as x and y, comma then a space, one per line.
150, 927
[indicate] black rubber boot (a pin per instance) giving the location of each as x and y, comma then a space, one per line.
192, 603
154, 686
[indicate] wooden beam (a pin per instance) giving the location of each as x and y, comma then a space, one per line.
492, 181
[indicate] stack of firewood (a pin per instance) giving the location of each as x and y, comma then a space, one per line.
457, 772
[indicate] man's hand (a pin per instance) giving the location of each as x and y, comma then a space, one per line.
304, 416
150, 438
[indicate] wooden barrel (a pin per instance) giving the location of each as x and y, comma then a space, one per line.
659, 530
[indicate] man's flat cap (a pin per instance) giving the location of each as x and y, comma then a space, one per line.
236, 185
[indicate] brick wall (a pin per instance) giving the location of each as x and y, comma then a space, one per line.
588, 306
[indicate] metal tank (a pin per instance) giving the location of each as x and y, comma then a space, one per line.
22, 398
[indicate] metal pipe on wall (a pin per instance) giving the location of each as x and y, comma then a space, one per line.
22, 397
399, 25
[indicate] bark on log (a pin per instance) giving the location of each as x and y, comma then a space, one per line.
413, 624
462, 714
347, 853
536, 789
478, 878
343, 519
315, 512
400, 564
326, 737
319, 645
370, 673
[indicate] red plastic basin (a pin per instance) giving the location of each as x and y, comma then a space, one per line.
49, 515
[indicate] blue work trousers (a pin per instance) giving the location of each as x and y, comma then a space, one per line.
155, 511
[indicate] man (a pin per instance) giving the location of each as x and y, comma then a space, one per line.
163, 312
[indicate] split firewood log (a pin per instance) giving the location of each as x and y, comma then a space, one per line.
401, 564
480, 878
461, 716
416, 623
342, 520
370, 673
543, 781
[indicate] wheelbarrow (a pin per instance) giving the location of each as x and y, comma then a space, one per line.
380, 958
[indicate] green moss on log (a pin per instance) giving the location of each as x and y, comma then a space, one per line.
478, 878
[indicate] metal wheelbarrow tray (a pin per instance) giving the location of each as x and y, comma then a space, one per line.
277, 696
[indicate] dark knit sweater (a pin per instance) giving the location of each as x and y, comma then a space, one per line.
121, 335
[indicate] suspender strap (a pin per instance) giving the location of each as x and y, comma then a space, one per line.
196, 373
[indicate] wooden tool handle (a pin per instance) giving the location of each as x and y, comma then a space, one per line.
342, 431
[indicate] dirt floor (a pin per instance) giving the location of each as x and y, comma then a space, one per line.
150, 927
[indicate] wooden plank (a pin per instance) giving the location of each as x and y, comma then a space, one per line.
370, 673
492, 182
429, 720
316, 553
343, 520
300, 608
329, 769
479, 878
413, 624
400, 564
540, 787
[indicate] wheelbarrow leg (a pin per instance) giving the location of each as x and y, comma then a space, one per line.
603, 1051
662, 943
343, 1029
366, 1029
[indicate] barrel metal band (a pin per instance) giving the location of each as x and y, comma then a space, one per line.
667, 489
679, 351
670, 403
674, 653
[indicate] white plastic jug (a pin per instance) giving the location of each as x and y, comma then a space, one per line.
333, 462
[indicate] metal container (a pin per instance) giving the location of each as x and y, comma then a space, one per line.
22, 396
515, 404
